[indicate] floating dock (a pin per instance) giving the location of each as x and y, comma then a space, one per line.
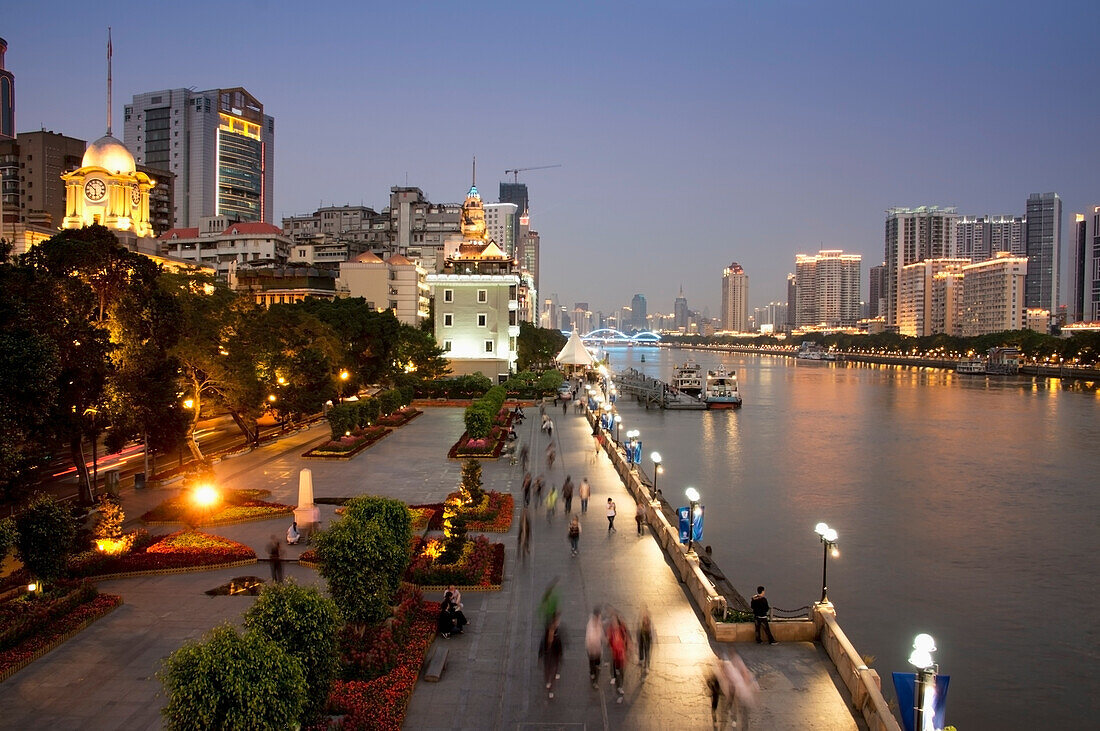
654, 392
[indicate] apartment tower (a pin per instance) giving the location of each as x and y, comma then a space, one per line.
735, 299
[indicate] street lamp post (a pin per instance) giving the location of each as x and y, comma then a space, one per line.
693, 500
925, 690
618, 423
344, 375
656, 457
828, 538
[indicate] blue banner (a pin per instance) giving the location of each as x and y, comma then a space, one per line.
905, 684
684, 515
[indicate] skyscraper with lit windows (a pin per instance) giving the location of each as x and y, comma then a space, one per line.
735, 298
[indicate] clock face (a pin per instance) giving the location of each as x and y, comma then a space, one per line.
135, 196
95, 189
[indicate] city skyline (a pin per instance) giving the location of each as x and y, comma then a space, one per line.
750, 136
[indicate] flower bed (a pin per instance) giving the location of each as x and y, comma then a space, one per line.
481, 565
180, 550
381, 703
237, 506
436, 521
494, 515
423, 515
348, 446
489, 448
49, 626
400, 417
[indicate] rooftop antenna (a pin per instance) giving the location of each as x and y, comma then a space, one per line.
473, 179
109, 52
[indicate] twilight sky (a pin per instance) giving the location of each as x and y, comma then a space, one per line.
690, 134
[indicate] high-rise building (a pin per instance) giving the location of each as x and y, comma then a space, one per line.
735, 298
680, 312
993, 295
928, 297
792, 300
771, 318
218, 143
981, 237
912, 235
876, 299
7, 97
1085, 276
1043, 246
31, 166
527, 249
500, 218
516, 194
638, 320
828, 289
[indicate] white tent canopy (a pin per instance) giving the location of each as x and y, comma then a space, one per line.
574, 353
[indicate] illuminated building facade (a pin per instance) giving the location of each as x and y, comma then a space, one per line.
107, 189
477, 300
828, 289
735, 299
993, 295
1084, 304
1043, 247
981, 237
500, 219
218, 143
912, 235
31, 166
219, 243
396, 284
929, 297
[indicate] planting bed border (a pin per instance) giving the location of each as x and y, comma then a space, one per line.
345, 456
460, 587
233, 521
176, 570
60, 640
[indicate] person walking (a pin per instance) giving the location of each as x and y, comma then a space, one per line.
761, 615
618, 641
584, 492
551, 650
550, 429
524, 456
564, 406
593, 643
639, 516
551, 504
567, 494
526, 487
574, 533
645, 640
539, 484
523, 540
611, 517
275, 554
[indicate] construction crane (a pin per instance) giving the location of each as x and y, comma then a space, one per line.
515, 173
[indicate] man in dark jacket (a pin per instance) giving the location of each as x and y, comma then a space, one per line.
760, 611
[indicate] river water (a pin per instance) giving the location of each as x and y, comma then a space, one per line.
966, 506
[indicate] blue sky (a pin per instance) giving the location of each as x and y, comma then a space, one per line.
690, 135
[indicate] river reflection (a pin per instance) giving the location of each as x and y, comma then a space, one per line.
966, 508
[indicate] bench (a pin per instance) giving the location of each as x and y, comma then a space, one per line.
436, 663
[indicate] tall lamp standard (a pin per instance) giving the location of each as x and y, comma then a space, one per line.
693, 500
925, 691
344, 375
618, 423
656, 457
828, 538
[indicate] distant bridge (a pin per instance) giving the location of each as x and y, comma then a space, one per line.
617, 337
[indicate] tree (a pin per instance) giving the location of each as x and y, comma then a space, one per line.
304, 623
471, 489
233, 681
417, 352
45, 535
109, 519
368, 338
537, 346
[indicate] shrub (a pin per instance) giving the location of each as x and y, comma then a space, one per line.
478, 421
46, 533
341, 419
109, 519
370, 410
304, 623
7, 536
549, 381
231, 680
472, 492
390, 401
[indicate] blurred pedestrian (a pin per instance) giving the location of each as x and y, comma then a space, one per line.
574, 533
523, 540
564, 406
618, 641
275, 554
526, 488
593, 643
584, 492
524, 456
539, 484
639, 516
551, 504
548, 605
549, 428
611, 516
550, 650
743, 690
645, 639
567, 494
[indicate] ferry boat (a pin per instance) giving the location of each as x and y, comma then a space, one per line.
721, 389
813, 351
970, 366
688, 378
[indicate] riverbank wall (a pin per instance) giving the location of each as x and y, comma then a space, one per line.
863, 684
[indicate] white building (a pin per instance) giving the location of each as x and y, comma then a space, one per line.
827, 289
928, 302
218, 143
396, 284
477, 300
978, 238
500, 219
993, 295
735, 298
217, 242
912, 235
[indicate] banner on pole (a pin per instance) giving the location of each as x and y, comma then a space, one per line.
905, 684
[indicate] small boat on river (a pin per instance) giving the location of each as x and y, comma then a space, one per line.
970, 366
721, 391
688, 378
813, 351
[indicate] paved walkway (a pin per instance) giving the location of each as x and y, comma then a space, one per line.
105, 677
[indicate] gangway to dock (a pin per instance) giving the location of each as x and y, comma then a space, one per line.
653, 392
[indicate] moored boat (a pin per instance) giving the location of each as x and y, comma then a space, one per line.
970, 366
813, 351
721, 391
688, 378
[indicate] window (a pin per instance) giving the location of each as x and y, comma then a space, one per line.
482, 319
448, 320
446, 346
448, 295
482, 295
488, 346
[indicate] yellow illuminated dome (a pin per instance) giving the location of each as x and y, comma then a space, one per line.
109, 154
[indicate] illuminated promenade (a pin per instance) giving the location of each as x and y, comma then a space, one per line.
104, 677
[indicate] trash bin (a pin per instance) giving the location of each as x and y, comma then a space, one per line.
110, 482
139, 480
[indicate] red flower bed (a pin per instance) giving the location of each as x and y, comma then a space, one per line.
235, 505
400, 417
56, 627
366, 654
348, 446
436, 521
381, 703
423, 515
183, 549
493, 516
483, 448
481, 564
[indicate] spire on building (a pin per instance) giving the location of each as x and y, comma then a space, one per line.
109, 51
